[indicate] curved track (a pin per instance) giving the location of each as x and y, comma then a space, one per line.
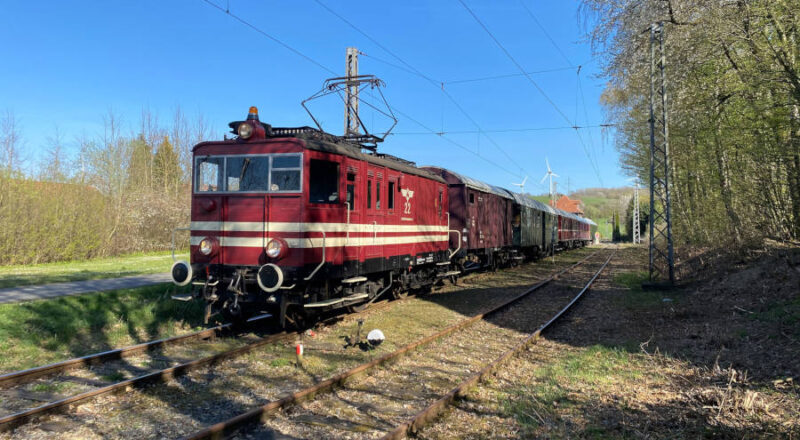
457, 336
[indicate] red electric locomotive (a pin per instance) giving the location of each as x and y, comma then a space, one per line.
296, 222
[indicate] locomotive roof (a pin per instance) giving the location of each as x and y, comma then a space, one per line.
354, 152
316, 140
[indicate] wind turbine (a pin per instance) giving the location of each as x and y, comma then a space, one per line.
521, 185
549, 174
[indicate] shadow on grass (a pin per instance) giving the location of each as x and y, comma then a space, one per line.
39, 332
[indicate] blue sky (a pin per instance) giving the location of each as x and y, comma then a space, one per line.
65, 64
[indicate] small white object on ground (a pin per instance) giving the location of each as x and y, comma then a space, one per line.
375, 337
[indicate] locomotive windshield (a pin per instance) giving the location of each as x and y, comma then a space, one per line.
256, 173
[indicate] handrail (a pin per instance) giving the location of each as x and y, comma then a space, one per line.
459, 243
173, 240
321, 263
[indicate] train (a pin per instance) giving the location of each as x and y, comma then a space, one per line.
298, 223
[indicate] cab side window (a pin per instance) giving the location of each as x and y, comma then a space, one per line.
323, 182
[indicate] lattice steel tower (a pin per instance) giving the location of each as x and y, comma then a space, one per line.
662, 262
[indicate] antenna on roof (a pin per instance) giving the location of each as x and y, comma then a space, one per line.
348, 88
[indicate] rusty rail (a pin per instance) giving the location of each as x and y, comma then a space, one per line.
23, 376
435, 409
223, 429
17, 419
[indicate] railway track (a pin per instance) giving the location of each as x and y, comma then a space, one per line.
95, 384
93, 389
350, 404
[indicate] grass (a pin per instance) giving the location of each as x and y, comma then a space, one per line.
40, 332
636, 298
561, 386
787, 313
135, 264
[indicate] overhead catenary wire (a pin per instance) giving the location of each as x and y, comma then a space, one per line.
255, 28
437, 84
532, 81
507, 130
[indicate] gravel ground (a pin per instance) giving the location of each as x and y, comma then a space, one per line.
637, 364
370, 405
204, 397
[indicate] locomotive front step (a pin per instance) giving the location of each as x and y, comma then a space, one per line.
354, 280
334, 301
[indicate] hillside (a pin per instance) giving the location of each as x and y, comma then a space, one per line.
599, 204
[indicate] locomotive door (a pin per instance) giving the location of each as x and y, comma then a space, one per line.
375, 219
354, 200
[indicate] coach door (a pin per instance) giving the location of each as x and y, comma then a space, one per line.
354, 194
375, 221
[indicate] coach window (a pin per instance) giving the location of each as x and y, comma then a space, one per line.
390, 199
209, 174
351, 190
323, 182
247, 173
285, 173
471, 198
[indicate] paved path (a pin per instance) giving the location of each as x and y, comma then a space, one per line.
43, 291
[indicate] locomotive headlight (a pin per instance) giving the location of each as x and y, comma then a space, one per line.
276, 248
245, 130
206, 246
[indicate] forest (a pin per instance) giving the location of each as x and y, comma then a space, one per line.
734, 109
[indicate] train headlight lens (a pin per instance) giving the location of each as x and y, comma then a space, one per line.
245, 130
275, 248
206, 246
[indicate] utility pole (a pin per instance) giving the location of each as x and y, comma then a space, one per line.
555, 222
351, 121
662, 262
637, 236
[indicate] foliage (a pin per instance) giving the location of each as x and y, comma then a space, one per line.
734, 109
120, 194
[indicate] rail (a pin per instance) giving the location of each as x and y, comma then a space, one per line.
226, 428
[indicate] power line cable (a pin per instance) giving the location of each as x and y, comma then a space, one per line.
323, 67
508, 130
437, 84
276, 40
531, 80
546, 34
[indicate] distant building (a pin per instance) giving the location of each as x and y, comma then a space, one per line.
570, 205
